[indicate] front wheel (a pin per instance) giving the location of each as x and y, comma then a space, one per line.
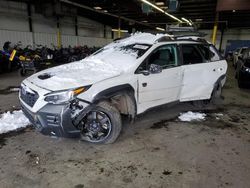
102, 124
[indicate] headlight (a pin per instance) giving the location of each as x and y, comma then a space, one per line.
63, 97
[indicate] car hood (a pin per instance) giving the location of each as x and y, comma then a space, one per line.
73, 75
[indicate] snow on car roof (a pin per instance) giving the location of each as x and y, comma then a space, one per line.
141, 38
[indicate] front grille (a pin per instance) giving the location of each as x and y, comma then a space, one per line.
28, 96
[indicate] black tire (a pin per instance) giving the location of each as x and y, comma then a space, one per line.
216, 94
115, 119
214, 99
200, 104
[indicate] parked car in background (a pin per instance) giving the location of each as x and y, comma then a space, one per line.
128, 77
243, 69
236, 54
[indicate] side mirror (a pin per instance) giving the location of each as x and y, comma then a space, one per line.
236, 53
154, 69
145, 72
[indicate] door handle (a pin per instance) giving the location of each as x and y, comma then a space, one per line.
144, 84
219, 69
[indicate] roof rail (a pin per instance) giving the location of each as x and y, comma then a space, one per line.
192, 38
165, 38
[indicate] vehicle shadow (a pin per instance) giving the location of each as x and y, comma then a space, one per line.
161, 114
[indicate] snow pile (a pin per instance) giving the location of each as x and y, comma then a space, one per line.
76, 74
191, 116
14, 89
141, 38
10, 121
218, 116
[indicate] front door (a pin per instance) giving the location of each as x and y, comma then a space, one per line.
162, 87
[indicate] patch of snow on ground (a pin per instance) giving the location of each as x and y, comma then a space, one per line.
191, 116
10, 121
218, 116
14, 89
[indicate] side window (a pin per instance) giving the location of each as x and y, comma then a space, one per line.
191, 54
165, 56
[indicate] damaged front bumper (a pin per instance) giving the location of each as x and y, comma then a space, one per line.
56, 120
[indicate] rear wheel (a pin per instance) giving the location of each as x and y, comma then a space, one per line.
215, 98
200, 104
102, 124
216, 94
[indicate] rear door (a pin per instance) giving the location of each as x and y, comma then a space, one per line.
202, 67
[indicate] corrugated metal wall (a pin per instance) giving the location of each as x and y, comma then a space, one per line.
45, 39
14, 27
15, 36
69, 40
92, 41
49, 39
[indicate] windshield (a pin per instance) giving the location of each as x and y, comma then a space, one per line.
118, 55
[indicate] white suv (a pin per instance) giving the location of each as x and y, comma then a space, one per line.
129, 76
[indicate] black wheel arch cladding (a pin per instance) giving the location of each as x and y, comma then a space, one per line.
110, 92
124, 89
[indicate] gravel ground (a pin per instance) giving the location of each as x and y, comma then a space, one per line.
156, 151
